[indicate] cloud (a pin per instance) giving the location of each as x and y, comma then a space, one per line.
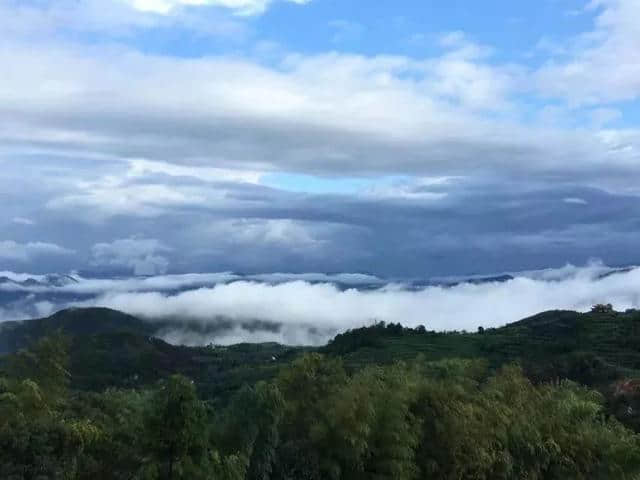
604, 64
454, 225
23, 221
142, 167
141, 255
313, 313
312, 308
575, 201
104, 139
24, 282
241, 7
278, 232
107, 197
26, 252
330, 114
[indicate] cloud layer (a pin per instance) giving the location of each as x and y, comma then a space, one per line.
312, 309
313, 313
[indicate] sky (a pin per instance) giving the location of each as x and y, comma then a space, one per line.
403, 139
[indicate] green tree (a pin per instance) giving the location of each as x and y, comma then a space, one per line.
46, 362
250, 427
394, 428
305, 385
176, 427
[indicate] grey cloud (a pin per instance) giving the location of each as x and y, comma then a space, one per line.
415, 228
141, 255
25, 252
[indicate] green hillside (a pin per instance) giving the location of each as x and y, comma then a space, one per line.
543, 340
96, 396
112, 348
76, 322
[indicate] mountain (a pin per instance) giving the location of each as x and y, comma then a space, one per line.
258, 398
542, 341
49, 280
113, 349
75, 322
600, 349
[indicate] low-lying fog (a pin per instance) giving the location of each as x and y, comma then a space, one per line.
226, 308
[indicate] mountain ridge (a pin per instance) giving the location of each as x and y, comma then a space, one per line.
599, 349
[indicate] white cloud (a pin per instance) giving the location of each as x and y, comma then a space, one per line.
604, 64
142, 167
575, 201
134, 193
100, 200
332, 113
416, 188
139, 254
23, 221
310, 308
114, 18
147, 189
26, 252
315, 312
241, 7
163, 283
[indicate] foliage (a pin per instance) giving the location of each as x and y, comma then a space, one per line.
382, 402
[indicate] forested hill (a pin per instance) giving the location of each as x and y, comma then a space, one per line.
76, 322
91, 393
113, 348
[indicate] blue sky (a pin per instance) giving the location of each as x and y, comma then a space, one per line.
411, 27
404, 138
402, 27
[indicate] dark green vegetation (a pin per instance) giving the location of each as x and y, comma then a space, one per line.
96, 396
112, 349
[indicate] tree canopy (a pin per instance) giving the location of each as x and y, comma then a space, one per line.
451, 419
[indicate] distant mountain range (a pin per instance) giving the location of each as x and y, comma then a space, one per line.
46, 281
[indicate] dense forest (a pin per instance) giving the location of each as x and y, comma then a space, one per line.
551, 397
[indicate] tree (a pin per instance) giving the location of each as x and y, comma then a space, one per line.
176, 427
394, 429
305, 386
602, 308
250, 427
47, 363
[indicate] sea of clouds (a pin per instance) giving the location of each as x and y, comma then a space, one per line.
311, 308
